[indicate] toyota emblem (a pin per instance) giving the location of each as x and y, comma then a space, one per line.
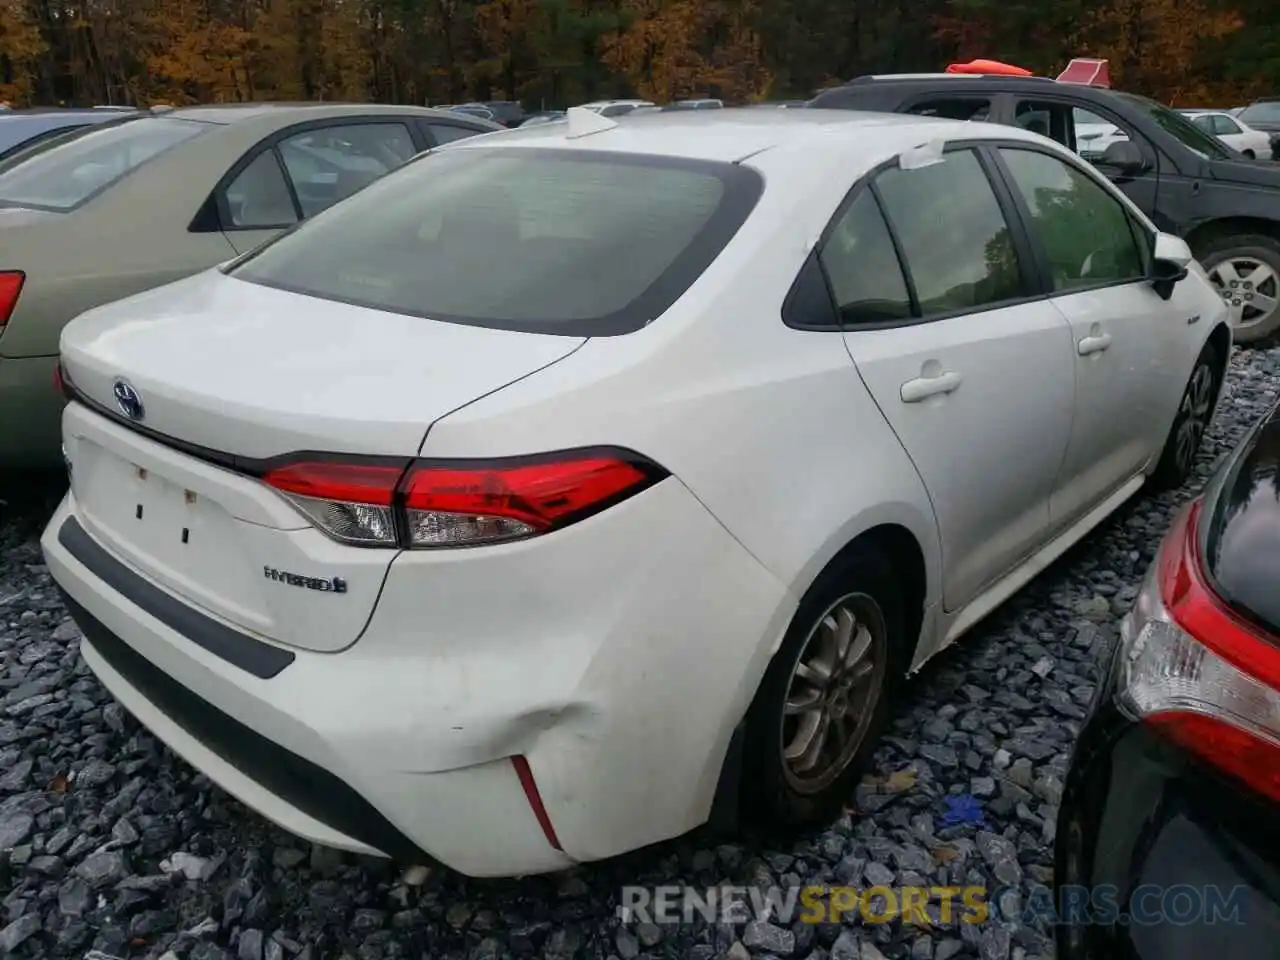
128, 400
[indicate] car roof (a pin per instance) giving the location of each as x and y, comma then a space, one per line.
940, 81
732, 134
68, 112
228, 113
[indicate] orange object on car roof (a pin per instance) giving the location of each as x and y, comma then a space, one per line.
989, 67
1087, 71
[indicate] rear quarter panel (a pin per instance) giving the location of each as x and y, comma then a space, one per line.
769, 428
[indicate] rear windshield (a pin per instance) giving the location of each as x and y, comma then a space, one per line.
78, 169
1266, 112
18, 130
557, 241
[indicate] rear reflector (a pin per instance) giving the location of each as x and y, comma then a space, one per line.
1198, 674
11, 282
530, 787
434, 503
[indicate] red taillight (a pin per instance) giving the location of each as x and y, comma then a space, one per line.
448, 505
1237, 753
342, 482
1200, 675
11, 282
1200, 612
460, 503
58, 383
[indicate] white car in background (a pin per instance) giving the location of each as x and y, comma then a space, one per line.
1232, 131
523, 567
1094, 135
616, 108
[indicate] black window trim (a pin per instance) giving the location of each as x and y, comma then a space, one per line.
214, 215
1137, 229
743, 187
1033, 275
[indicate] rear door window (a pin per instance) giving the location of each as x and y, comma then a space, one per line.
74, 172
862, 266
558, 241
1052, 120
259, 198
960, 254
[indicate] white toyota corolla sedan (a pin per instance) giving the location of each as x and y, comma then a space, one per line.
565, 485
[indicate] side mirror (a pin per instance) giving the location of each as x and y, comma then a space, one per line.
1124, 157
1169, 262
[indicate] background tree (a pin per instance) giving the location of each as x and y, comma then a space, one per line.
558, 52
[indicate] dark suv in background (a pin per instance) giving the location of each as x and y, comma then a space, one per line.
1186, 181
1264, 115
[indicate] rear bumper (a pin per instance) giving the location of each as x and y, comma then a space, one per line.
621, 685
32, 439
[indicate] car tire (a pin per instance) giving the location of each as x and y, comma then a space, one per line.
1249, 155
778, 794
1243, 250
1191, 422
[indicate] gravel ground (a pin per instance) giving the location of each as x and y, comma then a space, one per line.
110, 844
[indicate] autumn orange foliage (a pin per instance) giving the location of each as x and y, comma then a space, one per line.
556, 52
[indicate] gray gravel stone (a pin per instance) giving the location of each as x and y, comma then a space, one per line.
760, 936
106, 836
19, 932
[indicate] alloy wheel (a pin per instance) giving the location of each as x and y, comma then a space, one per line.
1250, 288
1193, 419
833, 693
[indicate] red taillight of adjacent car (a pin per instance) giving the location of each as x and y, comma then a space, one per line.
1199, 674
11, 282
441, 503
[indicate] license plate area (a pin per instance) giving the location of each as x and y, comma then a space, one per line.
183, 539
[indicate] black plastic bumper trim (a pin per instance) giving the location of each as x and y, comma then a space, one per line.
299, 782
251, 655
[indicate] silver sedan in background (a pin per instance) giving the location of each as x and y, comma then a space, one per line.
141, 202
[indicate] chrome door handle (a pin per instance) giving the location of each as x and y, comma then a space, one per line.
1094, 344
922, 388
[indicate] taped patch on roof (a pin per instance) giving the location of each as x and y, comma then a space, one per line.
925, 155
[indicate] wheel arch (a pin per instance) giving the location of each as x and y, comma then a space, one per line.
1204, 233
902, 549
918, 571
1220, 339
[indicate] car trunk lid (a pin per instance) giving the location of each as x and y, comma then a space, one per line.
229, 375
